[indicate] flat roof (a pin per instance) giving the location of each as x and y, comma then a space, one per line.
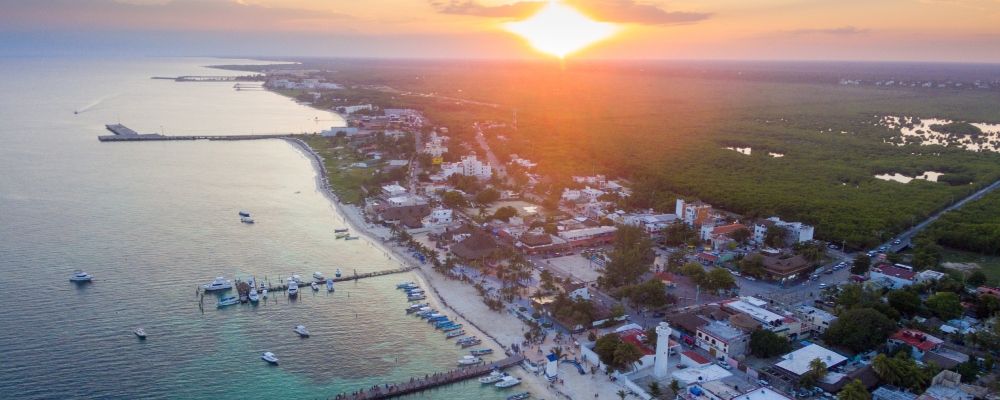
763, 393
707, 373
722, 331
797, 362
760, 314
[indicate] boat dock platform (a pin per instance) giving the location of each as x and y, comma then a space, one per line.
419, 384
122, 133
305, 283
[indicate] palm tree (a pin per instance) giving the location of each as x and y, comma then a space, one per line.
621, 394
884, 369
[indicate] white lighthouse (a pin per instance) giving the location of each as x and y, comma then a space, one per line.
662, 350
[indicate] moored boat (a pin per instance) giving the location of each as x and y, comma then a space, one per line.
337, 273
314, 286
246, 220
263, 293
80, 276
481, 352
141, 333
302, 331
340, 230
269, 357
244, 213
329, 285
228, 301
493, 377
220, 283
476, 342
508, 381
454, 334
318, 276
341, 235
452, 327
469, 360
293, 288
519, 396
254, 296
349, 237
403, 285
416, 298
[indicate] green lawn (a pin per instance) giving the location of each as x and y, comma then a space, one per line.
344, 180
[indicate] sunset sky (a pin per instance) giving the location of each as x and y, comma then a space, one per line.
918, 30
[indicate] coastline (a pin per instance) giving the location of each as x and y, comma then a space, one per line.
460, 293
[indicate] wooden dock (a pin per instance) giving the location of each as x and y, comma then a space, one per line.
419, 384
121, 133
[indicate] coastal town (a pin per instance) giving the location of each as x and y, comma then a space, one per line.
607, 300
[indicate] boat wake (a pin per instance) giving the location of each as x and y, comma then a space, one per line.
94, 105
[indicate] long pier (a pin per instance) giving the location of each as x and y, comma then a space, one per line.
284, 286
122, 133
417, 384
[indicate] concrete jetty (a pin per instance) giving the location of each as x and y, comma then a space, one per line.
122, 133
419, 384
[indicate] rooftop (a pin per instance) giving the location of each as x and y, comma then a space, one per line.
698, 358
706, 373
915, 338
797, 362
762, 394
894, 271
758, 313
636, 336
722, 331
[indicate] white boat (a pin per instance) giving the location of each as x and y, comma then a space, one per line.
141, 333
314, 286
302, 331
244, 213
228, 301
263, 293
246, 220
318, 276
337, 274
80, 276
293, 288
341, 235
493, 377
220, 283
296, 277
329, 285
508, 381
469, 360
269, 357
254, 297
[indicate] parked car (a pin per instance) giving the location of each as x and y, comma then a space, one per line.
724, 365
763, 383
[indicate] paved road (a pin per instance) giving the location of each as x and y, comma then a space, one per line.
905, 237
492, 158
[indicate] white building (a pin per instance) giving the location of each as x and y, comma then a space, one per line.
440, 216
693, 214
817, 319
355, 108
333, 131
722, 339
651, 223
435, 146
393, 190
571, 195
797, 231
797, 362
469, 166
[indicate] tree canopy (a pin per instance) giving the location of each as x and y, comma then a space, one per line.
631, 257
767, 344
945, 305
860, 329
615, 353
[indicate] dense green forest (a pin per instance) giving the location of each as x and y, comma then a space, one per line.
666, 131
975, 227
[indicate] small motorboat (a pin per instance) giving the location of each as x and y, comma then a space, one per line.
318, 276
476, 342
452, 327
244, 213
293, 288
263, 293
349, 237
270, 358
481, 352
302, 331
415, 307
337, 274
340, 230
80, 276
329, 285
228, 301
454, 334
314, 286
415, 298
220, 283
493, 377
341, 235
508, 381
254, 297
246, 220
519, 396
466, 340
403, 285
141, 333
296, 277
469, 360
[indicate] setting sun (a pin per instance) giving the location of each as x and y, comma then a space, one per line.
559, 29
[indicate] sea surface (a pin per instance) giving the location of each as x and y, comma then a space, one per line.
152, 221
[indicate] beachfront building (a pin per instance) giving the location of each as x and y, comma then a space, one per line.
587, 237
468, 166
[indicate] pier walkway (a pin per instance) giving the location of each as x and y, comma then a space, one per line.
125, 134
419, 384
305, 284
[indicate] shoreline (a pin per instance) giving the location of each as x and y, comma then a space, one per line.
352, 216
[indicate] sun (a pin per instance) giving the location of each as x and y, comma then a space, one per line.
559, 29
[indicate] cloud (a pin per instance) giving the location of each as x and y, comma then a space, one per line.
842, 31
619, 11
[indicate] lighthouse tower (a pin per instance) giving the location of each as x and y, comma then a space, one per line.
662, 350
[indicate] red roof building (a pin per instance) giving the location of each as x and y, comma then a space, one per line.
636, 336
919, 340
694, 359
